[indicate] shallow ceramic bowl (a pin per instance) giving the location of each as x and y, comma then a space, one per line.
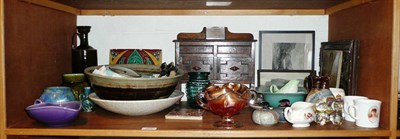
54, 115
137, 107
274, 98
114, 88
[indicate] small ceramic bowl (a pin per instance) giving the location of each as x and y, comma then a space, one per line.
137, 107
56, 95
73, 77
54, 115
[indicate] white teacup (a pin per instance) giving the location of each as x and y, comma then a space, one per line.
367, 112
337, 92
300, 114
348, 101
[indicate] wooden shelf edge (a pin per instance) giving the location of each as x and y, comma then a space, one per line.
69, 9
55, 5
395, 69
197, 133
206, 12
2, 77
345, 5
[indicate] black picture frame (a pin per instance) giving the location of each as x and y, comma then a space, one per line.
264, 75
347, 77
287, 50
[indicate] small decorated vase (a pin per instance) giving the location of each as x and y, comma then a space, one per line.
87, 104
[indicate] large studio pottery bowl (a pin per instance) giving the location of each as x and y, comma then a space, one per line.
275, 99
54, 115
137, 107
116, 88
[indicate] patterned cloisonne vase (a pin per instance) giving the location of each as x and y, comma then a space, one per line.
87, 104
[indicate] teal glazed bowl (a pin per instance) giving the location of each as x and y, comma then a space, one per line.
275, 99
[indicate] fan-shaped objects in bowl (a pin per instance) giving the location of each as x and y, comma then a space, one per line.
137, 107
54, 115
116, 88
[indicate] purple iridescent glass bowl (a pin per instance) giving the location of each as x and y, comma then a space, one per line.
54, 115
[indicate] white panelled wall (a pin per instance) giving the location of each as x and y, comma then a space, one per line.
158, 32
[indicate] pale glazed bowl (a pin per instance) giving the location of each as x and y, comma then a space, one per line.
137, 107
115, 88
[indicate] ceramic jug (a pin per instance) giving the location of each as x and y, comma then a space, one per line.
300, 114
318, 87
290, 87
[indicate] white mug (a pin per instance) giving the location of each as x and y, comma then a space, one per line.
348, 101
367, 112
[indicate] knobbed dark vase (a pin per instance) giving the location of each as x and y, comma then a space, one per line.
198, 81
84, 55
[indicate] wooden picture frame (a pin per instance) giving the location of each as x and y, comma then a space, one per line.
287, 50
344, 73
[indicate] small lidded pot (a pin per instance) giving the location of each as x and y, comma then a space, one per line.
265, 116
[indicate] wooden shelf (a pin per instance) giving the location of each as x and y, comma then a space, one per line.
24, 21
177, 7
104, 123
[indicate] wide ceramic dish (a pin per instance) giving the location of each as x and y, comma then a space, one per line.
137, 107
114, 88
54, 115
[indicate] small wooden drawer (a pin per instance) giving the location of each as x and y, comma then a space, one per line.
196, 64
196, 49
242, 49
235, 69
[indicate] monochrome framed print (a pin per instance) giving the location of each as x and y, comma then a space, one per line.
287, 50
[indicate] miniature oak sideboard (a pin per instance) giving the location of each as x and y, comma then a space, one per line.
229, 57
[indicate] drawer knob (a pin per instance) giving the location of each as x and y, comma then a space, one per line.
234, 68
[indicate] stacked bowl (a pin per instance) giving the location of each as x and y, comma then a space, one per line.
56, 107
134, 96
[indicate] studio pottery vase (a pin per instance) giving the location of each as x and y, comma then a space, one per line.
84, 55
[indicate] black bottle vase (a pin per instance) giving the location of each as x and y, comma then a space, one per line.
84, 55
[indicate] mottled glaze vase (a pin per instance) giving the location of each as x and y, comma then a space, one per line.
87, 104
56, 95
